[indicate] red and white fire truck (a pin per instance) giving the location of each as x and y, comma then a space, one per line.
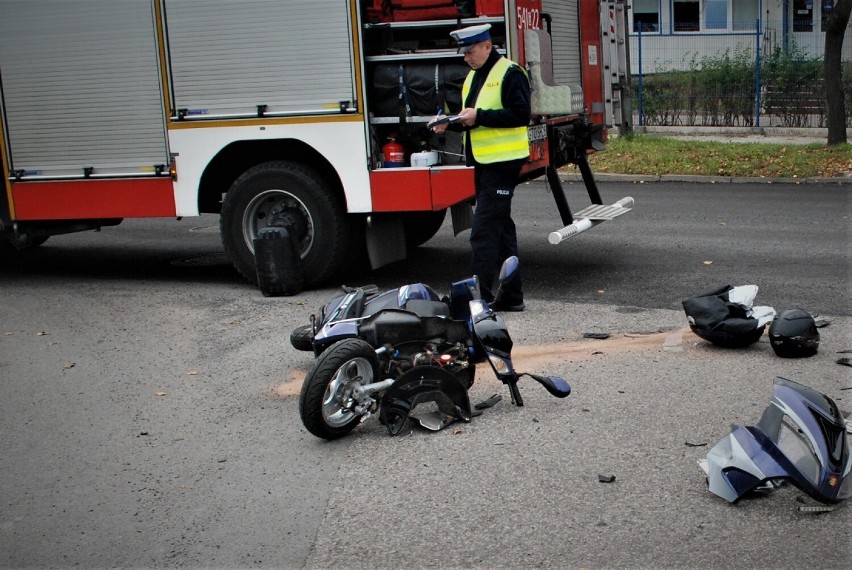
278, 112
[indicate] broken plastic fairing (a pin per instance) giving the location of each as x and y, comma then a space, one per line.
420, 385
801, 437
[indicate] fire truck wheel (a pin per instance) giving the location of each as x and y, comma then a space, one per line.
420, 227
290, 194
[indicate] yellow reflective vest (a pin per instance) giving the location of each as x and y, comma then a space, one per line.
495, 144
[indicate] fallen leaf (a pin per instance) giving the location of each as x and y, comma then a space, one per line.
8, 333
192, 373
69, 365
42, 333
708, 262
161, 394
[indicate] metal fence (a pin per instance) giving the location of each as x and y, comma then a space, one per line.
751, 77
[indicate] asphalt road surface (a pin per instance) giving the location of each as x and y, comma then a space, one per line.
149, 401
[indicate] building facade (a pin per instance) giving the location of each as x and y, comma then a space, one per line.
675, 33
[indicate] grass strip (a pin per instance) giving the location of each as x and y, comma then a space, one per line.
656, 155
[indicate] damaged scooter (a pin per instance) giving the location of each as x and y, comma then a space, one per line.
386, 353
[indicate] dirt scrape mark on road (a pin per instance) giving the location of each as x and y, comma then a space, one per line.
292, 386
530, 358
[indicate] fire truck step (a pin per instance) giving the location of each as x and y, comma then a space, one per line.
603, 212
589, 217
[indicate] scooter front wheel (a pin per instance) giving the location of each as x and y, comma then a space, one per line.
326, 401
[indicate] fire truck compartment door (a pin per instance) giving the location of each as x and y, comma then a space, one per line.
232, 59
420, 188
81, 88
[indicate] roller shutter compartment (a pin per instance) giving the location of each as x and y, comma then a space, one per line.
566, 41
81, 88
235, 59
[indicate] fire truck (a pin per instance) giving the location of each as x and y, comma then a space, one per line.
305, 115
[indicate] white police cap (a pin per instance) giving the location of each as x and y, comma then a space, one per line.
470, 36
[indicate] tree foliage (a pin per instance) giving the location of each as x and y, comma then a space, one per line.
835, 31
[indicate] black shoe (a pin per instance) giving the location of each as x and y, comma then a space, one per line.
504, 307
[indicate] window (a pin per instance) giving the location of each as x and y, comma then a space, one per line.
730, 15
716, 14
646, 15
803, 15
744, 14
686, 16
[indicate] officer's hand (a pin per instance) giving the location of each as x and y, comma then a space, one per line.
439, 129
467, 117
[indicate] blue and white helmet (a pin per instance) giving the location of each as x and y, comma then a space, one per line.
801, 437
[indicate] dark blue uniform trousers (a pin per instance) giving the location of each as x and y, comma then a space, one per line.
492, 236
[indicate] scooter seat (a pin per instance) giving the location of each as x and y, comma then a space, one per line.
427, 308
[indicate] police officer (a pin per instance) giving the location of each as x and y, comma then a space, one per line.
495, 116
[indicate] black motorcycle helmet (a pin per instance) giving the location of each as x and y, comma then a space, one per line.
793, 334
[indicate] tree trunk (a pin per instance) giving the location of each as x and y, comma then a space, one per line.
834, 97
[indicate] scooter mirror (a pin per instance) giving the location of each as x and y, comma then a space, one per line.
509, 268
553, 384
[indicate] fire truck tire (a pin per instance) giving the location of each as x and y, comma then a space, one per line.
420, 227
289, 194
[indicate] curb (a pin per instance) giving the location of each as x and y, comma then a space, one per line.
691, 178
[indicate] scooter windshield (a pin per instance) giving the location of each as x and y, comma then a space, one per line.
801, 437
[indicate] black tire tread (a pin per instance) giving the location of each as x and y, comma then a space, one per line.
302, 338
330, 252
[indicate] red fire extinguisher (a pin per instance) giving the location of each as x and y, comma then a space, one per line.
394, 154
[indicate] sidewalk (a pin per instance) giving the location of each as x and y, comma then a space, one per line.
771, 135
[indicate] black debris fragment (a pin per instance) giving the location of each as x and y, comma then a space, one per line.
689, 444
489, 402
606, 478
844, 361
600, 336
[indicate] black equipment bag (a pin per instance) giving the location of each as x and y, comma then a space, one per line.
416, 89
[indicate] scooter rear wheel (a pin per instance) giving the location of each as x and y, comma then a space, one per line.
325, 402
